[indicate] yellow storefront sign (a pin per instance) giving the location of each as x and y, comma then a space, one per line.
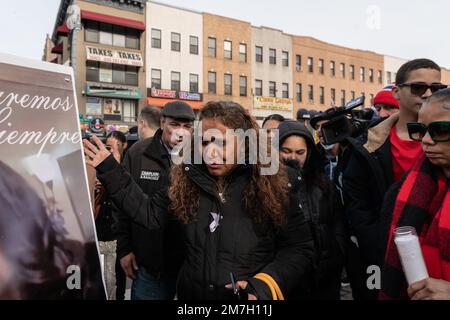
274, 104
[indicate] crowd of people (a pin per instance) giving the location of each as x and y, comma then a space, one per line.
220, 229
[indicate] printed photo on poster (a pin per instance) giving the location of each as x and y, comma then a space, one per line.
48, 247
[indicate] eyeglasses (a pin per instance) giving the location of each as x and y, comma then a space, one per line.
439, 131
419, 88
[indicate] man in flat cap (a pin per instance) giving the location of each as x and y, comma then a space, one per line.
152, 258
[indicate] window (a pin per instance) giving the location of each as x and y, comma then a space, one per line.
380, 77
91, 31
193, 45
321, 68
285, 90
156, 38
131, 76
389, 77
362, 74
193, 83
242, 52
333, 96
132, 39
352, 72
258, 88
259, 54
272, 89
119, 36
332, 68
310, 64
298, 62
285, 59
211, 82
342, 70
107, 75
129, 111
371, 75
342, 97
227, 50
92, 71
322, 95
110, 35
272, 56
353, 93
106, 34
212, 47
175, 42
298, 92
175, 81
156, 78
228, 84
243, 86
311, 94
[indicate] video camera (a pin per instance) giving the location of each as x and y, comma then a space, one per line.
345, 122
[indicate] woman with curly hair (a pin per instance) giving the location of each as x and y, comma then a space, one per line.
235, 219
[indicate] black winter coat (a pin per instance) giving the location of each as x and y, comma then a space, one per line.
158, 250
366, 179
324, 214
238, 245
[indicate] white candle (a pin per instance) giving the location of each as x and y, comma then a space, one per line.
410, 253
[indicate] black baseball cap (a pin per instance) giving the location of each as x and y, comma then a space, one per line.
178, 110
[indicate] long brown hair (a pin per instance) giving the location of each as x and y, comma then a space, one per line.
266, 196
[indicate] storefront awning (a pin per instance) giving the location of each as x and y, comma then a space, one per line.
110, 92
58, 48
62, 30
158, 102
133, 24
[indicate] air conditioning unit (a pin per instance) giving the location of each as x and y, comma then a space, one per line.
299, 68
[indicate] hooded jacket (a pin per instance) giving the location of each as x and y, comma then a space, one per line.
324, 214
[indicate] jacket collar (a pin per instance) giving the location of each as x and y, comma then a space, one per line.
198, 173
157, 151
378, 135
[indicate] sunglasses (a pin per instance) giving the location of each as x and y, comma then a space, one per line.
419, 88
439, 131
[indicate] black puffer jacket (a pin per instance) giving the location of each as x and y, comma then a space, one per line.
238, 245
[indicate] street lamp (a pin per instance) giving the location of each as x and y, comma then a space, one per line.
74, 24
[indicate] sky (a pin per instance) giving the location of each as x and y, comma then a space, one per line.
401, 28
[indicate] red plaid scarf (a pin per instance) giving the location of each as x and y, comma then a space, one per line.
424, 203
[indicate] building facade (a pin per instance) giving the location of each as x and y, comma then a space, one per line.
107, 54
227, 62
174, 55
391, 66
271, 73
327, 75
128, 54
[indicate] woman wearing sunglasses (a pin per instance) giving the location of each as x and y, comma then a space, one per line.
422, 200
